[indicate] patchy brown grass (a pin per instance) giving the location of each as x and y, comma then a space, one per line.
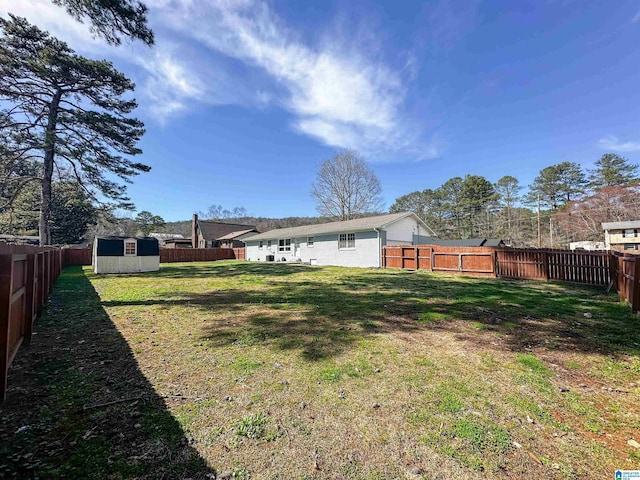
287, 371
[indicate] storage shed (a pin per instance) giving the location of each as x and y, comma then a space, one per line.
125, 255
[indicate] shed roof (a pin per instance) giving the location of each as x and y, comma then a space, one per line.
216, 230
620, 225
358, 224
464, 242
493, 242
121, 237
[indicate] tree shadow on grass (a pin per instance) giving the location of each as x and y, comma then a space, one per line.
229, 268
560, 316
324, 319
58, 421
323, 316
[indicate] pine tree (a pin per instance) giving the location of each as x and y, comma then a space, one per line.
613, 171
111, 19
65, 111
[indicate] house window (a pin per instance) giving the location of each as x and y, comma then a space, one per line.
630, 246
261, 244
268, 243
284, 245
309, 241
347, 241
629, 233
130, 248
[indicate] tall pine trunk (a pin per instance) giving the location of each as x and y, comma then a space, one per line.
47, 174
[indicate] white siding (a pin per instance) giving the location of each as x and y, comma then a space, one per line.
324, 251
126, 264
402, 231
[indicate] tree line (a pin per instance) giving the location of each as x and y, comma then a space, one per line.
572, 204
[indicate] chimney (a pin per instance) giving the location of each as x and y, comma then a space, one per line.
194, 231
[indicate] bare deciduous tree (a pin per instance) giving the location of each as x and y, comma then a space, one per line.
346, 187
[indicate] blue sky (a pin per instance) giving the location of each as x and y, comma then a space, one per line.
243, 99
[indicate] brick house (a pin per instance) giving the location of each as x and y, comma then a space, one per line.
210, 234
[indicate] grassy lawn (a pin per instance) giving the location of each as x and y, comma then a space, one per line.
296, 372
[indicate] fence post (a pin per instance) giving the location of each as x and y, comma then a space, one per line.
635, 298
6, 287
494, 261
545, 265
621, 283
42, 288
30, 297
416, 252
613, 273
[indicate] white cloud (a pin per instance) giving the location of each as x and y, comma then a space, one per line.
337, 92
168, 85
636, 17
613, 144
55, 20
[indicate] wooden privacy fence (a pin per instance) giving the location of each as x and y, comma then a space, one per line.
435, 258
27, 276
591, 268
82, 256
171, 255
77, 256
625, 275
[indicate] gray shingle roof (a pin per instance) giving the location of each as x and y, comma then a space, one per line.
211, 230
359, 224
232, 235
620, 225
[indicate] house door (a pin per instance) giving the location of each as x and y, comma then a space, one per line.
296, 247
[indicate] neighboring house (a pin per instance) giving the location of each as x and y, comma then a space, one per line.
125, 255
587, 245
622, 235
351, 243
210, 234
470, 242
21, 239
178, 243
163, 238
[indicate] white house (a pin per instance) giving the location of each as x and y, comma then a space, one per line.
351, 243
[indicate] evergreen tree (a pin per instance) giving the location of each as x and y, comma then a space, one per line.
72, 212
451, 193
478, 195
147, 222
110, 19
613, 171
65, 110
558, 184
426, 204
508, 194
